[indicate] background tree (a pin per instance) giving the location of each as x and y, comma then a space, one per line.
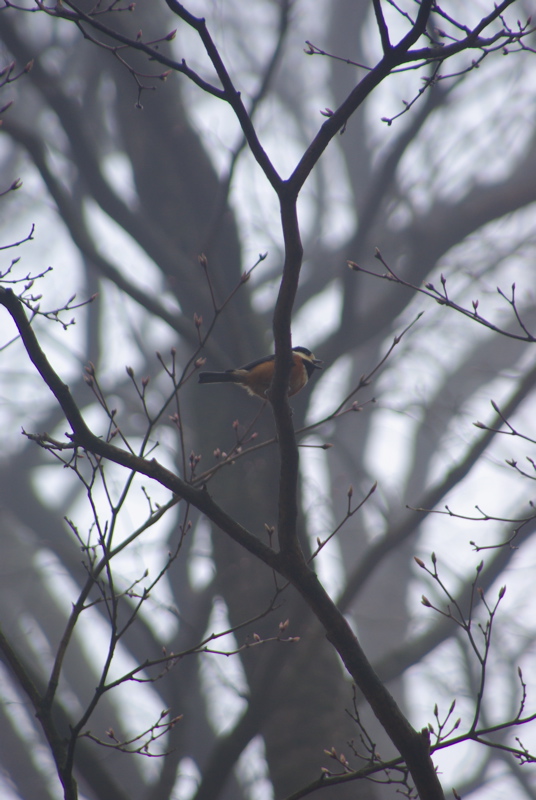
142, 193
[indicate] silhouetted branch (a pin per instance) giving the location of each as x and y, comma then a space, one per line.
441, 297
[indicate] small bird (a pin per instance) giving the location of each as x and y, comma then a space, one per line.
256, 377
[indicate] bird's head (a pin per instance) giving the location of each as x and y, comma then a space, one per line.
306, 354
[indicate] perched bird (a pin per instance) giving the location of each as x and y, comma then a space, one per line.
257, 376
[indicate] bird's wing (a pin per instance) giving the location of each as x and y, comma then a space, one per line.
253, 364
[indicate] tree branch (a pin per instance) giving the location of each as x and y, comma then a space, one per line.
83, 437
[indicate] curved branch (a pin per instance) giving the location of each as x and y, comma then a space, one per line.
83, 437
230, 94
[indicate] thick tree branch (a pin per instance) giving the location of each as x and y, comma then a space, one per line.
231, 95
288, 449
82, 437
412, 745
382, 26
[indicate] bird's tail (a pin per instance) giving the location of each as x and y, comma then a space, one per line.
218, 377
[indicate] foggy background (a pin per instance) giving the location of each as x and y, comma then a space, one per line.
124, 200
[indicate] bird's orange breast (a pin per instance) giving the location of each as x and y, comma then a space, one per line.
257, 380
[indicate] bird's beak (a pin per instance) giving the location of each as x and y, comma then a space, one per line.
316, 363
